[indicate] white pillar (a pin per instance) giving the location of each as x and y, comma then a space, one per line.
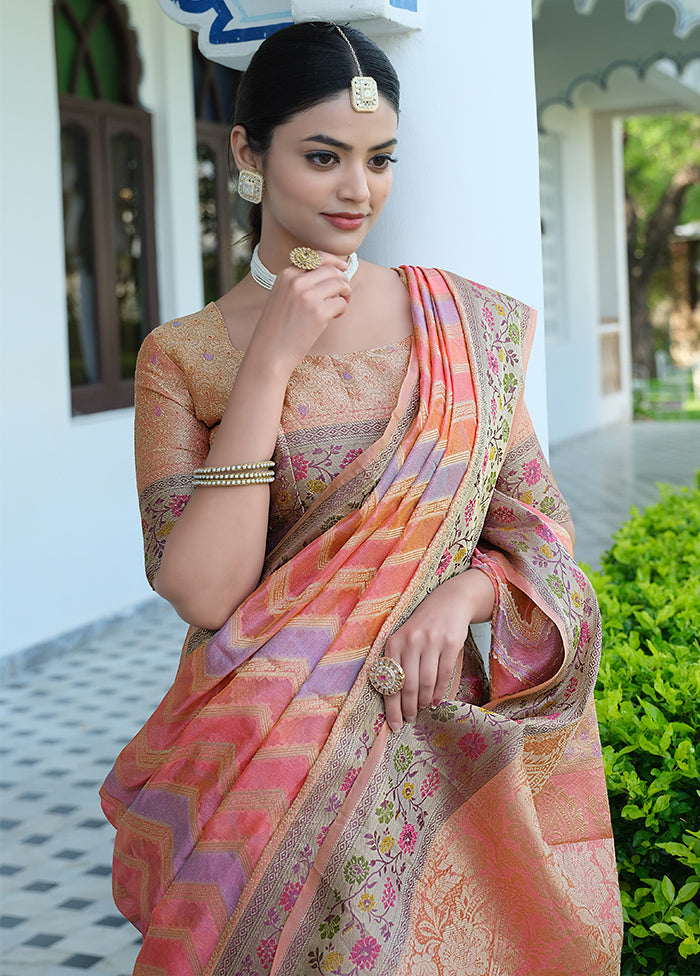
166, 91
468, 125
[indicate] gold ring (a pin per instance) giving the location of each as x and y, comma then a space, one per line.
387, 676
305, 258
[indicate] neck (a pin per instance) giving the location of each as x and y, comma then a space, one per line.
264, 276
276, 258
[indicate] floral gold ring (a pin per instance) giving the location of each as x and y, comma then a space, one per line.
387, 676
305, 258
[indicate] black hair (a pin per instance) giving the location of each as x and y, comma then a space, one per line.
296, 68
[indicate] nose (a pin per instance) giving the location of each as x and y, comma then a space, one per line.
354, 185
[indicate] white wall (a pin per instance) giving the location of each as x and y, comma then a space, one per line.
166, 92
70, 535
468, 124
71, 546
611, 254
572, 357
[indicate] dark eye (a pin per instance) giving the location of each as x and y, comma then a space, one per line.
382, 161
322, 158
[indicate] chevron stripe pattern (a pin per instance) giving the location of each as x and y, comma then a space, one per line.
198, 794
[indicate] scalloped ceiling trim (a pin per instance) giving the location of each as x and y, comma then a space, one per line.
687, 11
601, 78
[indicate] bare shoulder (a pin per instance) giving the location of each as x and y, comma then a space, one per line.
384, 281
383, 300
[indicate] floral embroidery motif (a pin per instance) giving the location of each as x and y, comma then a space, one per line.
407, 839
358, 920
349, 780
472, 745
332, 962
161, 504
364, 953
290, 895
266, 951
356, 870
350, 456
365, 902
532, 472
299, 466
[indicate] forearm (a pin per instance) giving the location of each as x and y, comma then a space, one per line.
475, 590
215, 552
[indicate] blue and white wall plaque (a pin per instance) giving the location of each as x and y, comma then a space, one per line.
229, 31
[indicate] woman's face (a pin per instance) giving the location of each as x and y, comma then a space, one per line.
328, 173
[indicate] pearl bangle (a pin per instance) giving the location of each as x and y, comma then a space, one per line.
250, 473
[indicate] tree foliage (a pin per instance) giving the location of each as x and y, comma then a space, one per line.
662, 186
656, 148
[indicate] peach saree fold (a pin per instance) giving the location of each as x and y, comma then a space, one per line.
267, 822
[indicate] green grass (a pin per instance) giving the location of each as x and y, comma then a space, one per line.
669, 399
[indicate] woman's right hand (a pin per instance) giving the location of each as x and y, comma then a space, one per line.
298, 309
215, 552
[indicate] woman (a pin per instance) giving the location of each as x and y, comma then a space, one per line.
337, 477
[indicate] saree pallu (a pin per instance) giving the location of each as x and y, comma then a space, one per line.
270, 824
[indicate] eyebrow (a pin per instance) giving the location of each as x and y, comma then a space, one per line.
337, 144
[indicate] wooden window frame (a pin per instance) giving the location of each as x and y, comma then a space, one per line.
101, 121
215, 137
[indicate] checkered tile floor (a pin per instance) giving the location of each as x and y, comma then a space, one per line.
63, 723
62, 726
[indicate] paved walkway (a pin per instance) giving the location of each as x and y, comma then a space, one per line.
63, 724
604, 474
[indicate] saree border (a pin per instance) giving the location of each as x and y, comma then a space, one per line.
479, 471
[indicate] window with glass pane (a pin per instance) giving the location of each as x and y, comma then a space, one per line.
127, 221
83, 335
223, 216
111, 292
208, 222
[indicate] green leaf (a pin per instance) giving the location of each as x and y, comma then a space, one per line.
689, 947
669, 892
687, 892
646, 696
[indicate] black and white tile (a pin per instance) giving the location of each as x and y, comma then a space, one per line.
61, 728
62, 724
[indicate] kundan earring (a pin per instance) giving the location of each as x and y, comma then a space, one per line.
250, 185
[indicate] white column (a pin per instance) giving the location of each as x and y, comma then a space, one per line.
466, 193
167, 93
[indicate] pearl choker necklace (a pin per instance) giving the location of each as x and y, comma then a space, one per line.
267, 279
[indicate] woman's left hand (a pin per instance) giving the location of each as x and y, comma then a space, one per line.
428, 644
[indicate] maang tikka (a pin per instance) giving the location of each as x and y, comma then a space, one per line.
364, 96
250, 185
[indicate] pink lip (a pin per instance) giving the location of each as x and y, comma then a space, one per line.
345, 221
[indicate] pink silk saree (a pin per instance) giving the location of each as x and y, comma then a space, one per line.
269, 823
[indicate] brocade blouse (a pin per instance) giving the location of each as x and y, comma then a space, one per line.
335, 407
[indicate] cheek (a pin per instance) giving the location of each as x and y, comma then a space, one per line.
289, 185
381, 191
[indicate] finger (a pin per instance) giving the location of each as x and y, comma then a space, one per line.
331, 286
333, 260
328, 260
325, 282
392, 711
427, 677
335, 307
410, 662
446, 667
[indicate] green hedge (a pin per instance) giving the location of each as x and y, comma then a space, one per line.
647, 699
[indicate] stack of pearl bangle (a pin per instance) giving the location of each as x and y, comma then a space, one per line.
253, 473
